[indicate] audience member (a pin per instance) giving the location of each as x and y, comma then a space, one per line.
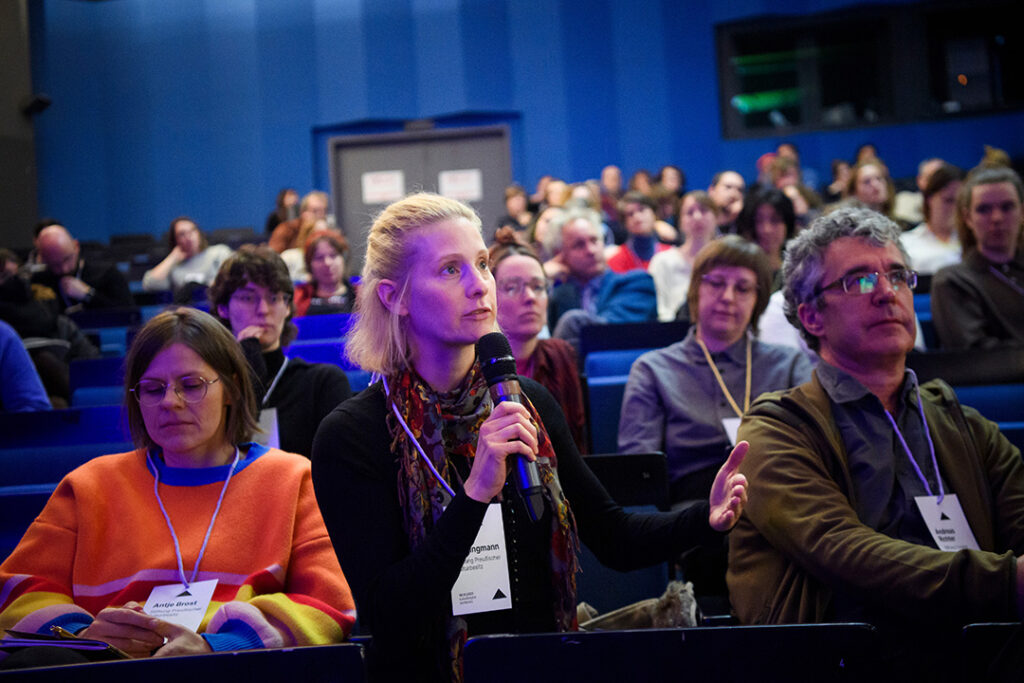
252, 295
611, 193
671, 269
726, 190
517, 211
669, 186
641, 181
865, 152
329, 289
21, 390
934, 244
53, 339
908, 205
106, 546
406, 471
540, 235
768, 220
836, 191
785, 176
522, 290
979, 302
871, 186
877, 500
76, 283
805, 176
191, 264
292, 233
286, 207
586, 291
639, 213
687, 399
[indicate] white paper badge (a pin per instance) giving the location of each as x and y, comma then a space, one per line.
946, 522
268, 435
483, 584
179, 605
731, 426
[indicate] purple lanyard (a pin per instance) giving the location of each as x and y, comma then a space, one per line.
167, 518
931, 448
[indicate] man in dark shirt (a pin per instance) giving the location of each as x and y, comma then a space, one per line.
872, 498
76, 283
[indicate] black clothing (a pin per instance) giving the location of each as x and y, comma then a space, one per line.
305, 393
111, 287
399, 592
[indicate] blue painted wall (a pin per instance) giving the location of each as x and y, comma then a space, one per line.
208, 107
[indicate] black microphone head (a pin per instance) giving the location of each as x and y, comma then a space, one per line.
496, 359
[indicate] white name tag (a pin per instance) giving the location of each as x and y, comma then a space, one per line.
731, 425
268, 435
946, 522
179, 605
483, 584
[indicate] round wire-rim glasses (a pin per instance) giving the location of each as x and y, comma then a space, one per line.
150, 392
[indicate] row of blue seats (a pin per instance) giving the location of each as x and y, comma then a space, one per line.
606, 373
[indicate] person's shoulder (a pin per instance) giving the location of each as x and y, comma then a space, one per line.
778, 353
281, 461
363, 408
539, 395
219, 250
557, 348
105, 468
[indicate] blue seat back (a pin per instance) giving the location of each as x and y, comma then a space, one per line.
329, 326
607, 363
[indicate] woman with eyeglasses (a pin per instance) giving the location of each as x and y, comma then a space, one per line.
522, 290
197, 507
328, 289
687, 399
411, 474
252, 296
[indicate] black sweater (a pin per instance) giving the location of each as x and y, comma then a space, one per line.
304, 395
399, 593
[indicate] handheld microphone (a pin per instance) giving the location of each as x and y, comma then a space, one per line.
499, 368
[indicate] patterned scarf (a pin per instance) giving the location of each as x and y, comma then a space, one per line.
446, 427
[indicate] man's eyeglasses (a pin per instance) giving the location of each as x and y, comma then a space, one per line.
149, 392
514, 286
251, 299
865, 283
719, 285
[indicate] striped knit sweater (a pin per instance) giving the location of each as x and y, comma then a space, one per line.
102, 541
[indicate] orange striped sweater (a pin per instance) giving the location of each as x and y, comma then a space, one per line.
102, 541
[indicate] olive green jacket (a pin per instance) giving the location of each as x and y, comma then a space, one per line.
799, 538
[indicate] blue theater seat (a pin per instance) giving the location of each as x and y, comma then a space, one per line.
330, 326
39, 448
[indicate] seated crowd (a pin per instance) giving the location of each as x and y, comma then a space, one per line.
852, 462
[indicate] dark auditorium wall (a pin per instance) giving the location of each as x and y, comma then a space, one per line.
208, 107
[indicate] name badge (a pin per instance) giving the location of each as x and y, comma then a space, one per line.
946, 522
179, 605
268, 435
483, 584
731, 425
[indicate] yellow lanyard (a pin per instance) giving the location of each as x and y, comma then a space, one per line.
721, 383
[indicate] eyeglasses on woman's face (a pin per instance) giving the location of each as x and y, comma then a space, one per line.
718, 286
515, 286
150, 392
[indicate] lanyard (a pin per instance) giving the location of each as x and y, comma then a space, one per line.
209, 530
266, 397
931, 448
401, 421
721, 383
1006, 280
